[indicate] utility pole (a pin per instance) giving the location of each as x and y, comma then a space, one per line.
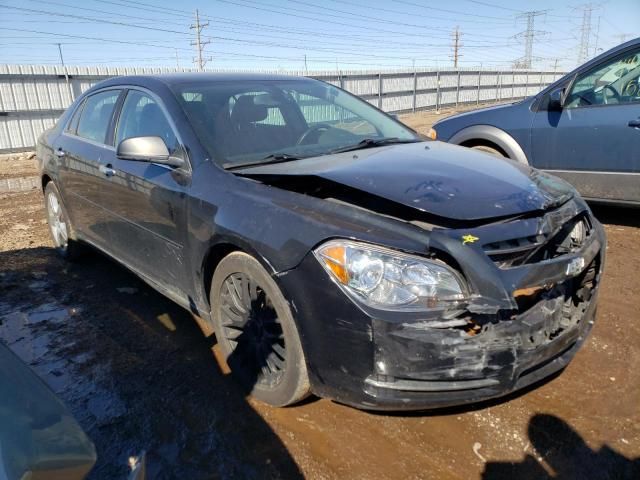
66, 74
306, 70
177, 59
585, 33
456, 47
199, 43
60, 52
529, 36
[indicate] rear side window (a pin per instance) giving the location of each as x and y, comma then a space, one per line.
96, 115
72, 126
141, 116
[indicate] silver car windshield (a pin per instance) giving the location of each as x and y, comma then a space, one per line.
252, 122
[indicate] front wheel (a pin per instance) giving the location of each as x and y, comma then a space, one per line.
59, 224
256, 333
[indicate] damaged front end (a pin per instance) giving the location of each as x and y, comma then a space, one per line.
494, 288
529, 301
530, 313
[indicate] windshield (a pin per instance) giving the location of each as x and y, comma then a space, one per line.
252, 121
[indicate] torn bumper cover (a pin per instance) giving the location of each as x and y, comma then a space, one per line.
530, 325
452, 366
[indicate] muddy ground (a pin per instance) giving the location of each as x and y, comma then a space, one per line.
138, 375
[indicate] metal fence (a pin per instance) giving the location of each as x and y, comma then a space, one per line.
33, 97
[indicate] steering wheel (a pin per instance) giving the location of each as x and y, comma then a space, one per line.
319, 127
631, 89
616, 95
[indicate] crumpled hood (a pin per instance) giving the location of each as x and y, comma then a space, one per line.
433, 177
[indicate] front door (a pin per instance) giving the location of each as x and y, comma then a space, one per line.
594, 141
146, 201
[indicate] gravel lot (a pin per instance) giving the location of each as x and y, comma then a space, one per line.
138, 375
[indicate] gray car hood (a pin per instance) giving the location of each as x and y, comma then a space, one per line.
432, 177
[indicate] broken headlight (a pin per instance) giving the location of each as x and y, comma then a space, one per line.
388, 279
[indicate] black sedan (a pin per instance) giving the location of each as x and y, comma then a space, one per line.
330, 248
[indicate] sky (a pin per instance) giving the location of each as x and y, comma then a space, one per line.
311, 35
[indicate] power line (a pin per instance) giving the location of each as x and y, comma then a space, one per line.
119, 15
288, 12
622, 37
456, 12
98, 20
493, 5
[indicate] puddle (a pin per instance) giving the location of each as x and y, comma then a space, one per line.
136, 373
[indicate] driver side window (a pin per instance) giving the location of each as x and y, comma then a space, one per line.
613, 82
141, 117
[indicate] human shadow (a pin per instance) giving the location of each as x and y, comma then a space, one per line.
134, 370
559, 452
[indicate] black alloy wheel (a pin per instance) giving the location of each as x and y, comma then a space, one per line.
256, 333
253, 329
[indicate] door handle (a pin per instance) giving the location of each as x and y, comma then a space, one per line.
634, 123
107, 170
60, 152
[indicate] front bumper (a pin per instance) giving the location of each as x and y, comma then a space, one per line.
383, 361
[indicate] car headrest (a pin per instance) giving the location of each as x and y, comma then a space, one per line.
105, 113
246, 111
152, 121
198, 110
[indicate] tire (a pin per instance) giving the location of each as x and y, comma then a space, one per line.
59, 225
256, 333
487, 149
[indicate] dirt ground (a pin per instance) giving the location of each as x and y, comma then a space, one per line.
138, 375
17, 165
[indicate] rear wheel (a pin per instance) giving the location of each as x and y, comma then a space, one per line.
487, 149
59, 224
256, 333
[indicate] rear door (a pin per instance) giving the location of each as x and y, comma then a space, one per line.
81, 150
146, 201
594, 141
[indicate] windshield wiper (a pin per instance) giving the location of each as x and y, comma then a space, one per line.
269, 159
373, 142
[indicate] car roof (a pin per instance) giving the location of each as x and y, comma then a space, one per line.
173, 79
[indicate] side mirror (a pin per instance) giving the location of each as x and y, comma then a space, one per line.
147, 149
556, 99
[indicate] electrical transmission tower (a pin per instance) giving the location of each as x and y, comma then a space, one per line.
199, 43
529, 36
456, 47
585, 33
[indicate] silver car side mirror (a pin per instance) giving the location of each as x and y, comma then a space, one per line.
147, 149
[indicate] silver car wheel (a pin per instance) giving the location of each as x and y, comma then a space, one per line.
57, 222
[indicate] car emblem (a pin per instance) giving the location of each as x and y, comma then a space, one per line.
468, 238
575, 266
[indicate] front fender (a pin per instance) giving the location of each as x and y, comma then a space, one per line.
494, 135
